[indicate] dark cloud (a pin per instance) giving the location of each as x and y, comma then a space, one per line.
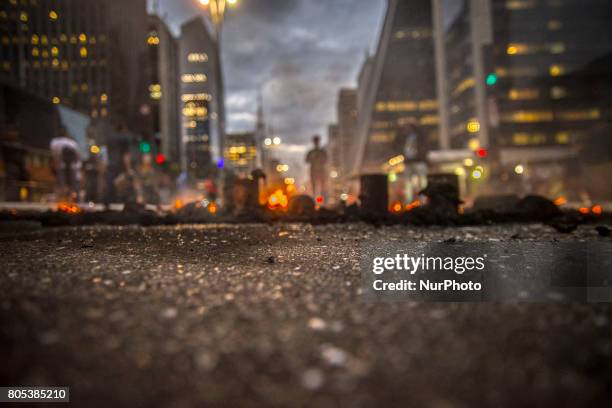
267, 10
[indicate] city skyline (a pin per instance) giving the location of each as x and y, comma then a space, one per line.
302, 46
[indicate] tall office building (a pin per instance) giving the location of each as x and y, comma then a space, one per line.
58, 50
201, 100
83, 54
400, 89
163, 72
526, 80
347, 126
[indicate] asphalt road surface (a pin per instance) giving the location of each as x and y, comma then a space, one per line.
259, 315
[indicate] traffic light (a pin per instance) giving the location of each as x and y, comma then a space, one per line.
145, 147
491, 79
160, 159
482, 153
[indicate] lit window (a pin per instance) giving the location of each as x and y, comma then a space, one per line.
190, 78
518, 49
523, 94
528, 116
44, 40
56, 100
83, 38
53, 15
556, 70
429, 120
104, 98
557, 92
63, 38
153, 39
382, 137
23, 16
54, 51
197, 57
428, 104
519, 4
562, 137
55, 63
522, 139
588, 114
196, 97
557, 48
35, 52
400, 34
83, 52
35, 39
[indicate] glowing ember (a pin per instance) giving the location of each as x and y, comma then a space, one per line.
397, 207
413, 205
597, 210
69, 208
178, 204
212, 208
278, 200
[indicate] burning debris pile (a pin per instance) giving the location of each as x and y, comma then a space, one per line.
438, 204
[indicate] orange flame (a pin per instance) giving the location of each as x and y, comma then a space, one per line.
178, 204
69, 208
413, 205
397, 207
584, 210
278, 200
597, 210
560, 201
212, 208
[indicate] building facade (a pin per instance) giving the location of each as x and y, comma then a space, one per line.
347, 126
163, 73
399, 90
201, 100
83, 54
527, 82
240, 153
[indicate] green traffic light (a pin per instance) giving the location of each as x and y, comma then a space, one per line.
145, 147
491, 79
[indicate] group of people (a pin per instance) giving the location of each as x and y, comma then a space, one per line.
111, 175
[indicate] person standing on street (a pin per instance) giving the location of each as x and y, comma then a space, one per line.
119, 163
317, 158
66, 166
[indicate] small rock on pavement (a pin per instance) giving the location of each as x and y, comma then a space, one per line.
313, 379
88, 243
603, 231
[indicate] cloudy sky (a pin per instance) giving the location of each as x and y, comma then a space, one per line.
298, 52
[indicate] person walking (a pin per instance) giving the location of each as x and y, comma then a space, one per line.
66, 163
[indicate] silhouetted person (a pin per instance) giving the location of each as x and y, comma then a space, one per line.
119, 164
66, 165
317, 158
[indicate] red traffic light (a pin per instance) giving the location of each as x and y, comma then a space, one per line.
482, 153
160, 159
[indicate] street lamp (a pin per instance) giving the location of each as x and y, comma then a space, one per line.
216, 9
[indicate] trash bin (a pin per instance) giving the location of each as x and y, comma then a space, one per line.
374, 194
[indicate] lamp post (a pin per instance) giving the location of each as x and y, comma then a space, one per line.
216, 9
